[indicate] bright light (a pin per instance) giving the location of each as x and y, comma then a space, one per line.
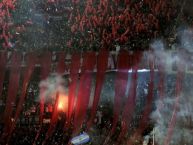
60, 106
63, 103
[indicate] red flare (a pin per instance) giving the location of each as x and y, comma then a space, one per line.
63, 103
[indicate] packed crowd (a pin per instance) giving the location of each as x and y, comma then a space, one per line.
113, 22
90, 24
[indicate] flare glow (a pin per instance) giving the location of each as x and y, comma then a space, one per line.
63, 103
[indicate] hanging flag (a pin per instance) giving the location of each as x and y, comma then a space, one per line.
81, 139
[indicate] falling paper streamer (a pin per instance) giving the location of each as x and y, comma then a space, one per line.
120, 88
54, 119
59, 70
89, 61
171, 126
131, 100
102, 62
74, 74
61, 67
3, 60
31, 61
12, 89
149, 100
161, 87
45, 62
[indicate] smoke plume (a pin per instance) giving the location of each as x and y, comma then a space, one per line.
53, 84
182, 133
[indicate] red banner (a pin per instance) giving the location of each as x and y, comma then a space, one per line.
84, 91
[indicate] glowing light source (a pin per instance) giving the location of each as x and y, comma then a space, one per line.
63, 103
60, 105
